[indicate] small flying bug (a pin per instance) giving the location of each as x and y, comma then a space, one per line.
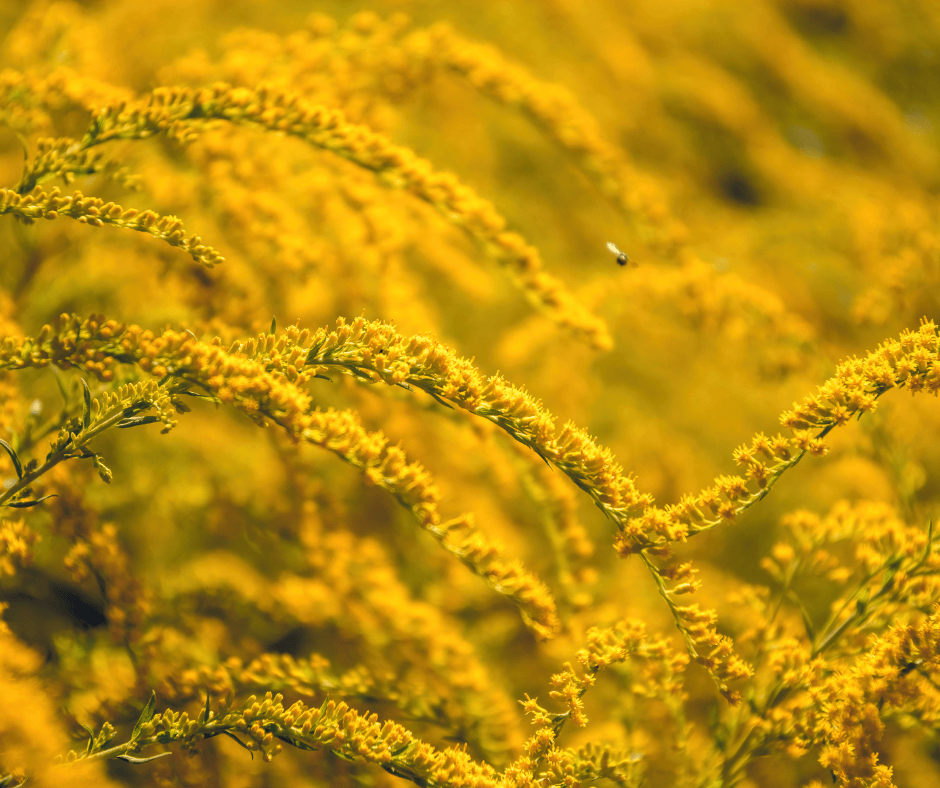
621, 256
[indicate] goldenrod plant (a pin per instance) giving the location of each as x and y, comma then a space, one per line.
362, 462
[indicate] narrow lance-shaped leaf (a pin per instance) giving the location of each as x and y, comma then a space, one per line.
145, 716
197, 395
91, 738
240, 742
132, 759
16, 460
86, 409
136, 421
29, 504
273, 325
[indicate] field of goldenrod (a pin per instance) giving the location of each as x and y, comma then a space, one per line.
332, 430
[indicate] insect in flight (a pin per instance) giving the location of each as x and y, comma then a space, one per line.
621, 256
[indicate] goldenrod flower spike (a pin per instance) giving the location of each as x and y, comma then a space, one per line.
912, 362
312, 676
182, 113
237, 379
433, 673
894, 672
93, 211
544, 761
66, 159
333, 726
376, 351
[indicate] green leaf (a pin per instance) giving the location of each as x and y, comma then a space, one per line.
28, 504
136, 421
273, 325
210, 397
241, 743
132, 759
91, 739
207, 707
145, 716
16, 460
357, 371
442, 401
86, 410
295, 742
138, 407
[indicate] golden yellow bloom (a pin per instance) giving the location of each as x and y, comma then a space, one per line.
183, 114
93, 211
238, 379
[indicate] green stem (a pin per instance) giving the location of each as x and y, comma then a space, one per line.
65, 453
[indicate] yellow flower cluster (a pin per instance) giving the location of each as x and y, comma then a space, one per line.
432, 673
236, 378
333, 726
64, 158
545, 761
182, 114
894, 673
912, 362
606, 647
376, 351
38, 204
